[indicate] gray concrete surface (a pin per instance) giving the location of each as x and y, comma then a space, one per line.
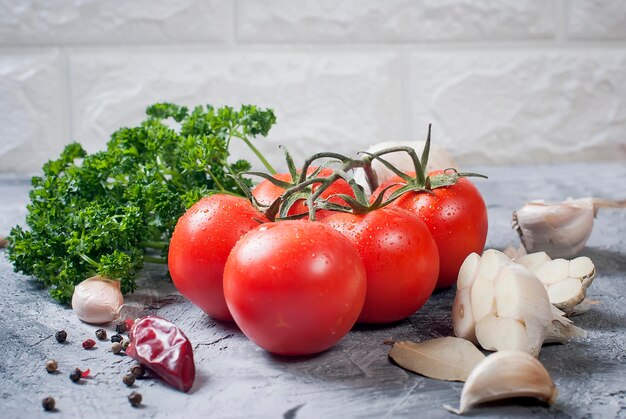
355, 378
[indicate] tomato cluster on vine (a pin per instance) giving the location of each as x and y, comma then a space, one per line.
308, 254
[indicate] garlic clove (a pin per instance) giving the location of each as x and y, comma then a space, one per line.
561, 230
533, 260
552, 271
583, 269
464, 326
502, 333
566, 293
490, 263
97, 300
483, 298
505, 375
468, 271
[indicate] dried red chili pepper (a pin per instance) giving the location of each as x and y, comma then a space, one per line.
162, 347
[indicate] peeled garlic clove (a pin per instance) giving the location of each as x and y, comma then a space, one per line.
561, 230
464, 326
501, 334
97, 300
583, 269
505, 375
533, 260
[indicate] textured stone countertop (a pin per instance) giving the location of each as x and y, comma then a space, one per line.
355, 378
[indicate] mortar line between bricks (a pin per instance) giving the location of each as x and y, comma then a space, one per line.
239, 46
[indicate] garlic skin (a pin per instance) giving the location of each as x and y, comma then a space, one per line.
561, 230
504, 375
97, 300
438, 158
501, 305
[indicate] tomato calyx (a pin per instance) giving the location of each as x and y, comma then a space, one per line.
421, 181
307, 184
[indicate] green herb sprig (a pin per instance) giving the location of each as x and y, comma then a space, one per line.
109, 212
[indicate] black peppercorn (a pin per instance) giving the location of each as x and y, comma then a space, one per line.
134, 398
75, 375
129, 379
48, 404
137, 370
116, 338
101, 334
125, 344
61, 336
121, 328
51, 366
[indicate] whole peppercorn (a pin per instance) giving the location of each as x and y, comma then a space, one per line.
134, 398
101, 334
61, 336
125, 344
48, 404
116, 348
129, 379
89, 343
76, 375
121, 328
51, 366
138, 370
116, 338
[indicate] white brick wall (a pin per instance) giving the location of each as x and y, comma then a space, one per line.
502, 81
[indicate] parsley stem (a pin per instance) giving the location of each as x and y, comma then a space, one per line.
155, 245
256, 151
217, 182
152, 259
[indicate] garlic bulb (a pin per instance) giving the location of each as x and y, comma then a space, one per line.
505, 375
438, 158
501, 305
561, 230
97, 300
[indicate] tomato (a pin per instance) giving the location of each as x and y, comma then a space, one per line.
266, 192
400, 258
456, 216
200, 244
294, 287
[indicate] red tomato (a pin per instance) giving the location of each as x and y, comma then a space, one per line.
266, 192
294, 287
400, 258
456, 217
201, 242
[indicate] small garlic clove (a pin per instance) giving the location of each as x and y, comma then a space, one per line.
483, 298
583, 269
505, 375
97, 300
464, 324
566, 293
490, 263
533, 260
468, 271
552, 271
